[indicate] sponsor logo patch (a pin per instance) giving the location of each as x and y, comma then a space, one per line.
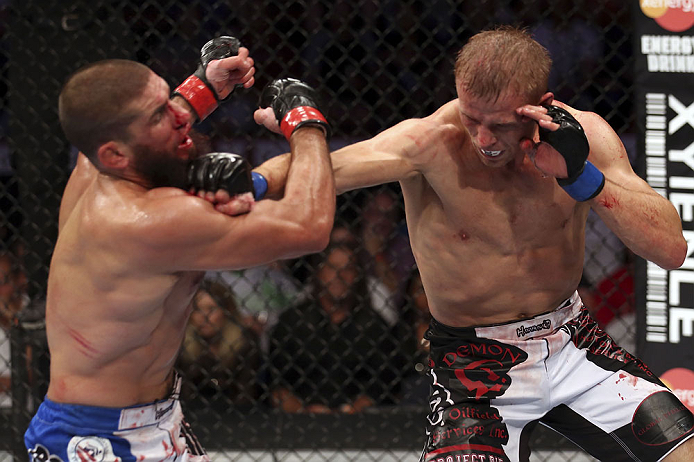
40, 454
660, 419
159, 413
522, 331
485, 378
89, 449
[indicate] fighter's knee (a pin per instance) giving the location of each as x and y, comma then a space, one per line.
683, 453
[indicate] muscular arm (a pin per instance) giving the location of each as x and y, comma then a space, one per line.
645, 221
395, 154
184, 232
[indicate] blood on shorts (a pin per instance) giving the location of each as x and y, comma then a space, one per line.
630, 379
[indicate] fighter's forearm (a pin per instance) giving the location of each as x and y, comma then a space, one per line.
358, 165
275, 172
647, 223
310, 185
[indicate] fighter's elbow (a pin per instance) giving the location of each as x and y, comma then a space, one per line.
319, 243
677, 255
672, 255
321, 234
315, 233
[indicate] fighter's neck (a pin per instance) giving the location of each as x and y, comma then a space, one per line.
123, 179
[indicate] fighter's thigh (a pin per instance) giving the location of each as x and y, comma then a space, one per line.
478, 428
624, 414
471, 431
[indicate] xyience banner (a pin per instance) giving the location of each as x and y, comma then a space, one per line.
664, 50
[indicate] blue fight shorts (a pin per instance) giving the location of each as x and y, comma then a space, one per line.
491, 385
143, 433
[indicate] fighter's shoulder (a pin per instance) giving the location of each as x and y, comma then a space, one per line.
446, 121
158, 208
164, 194
445, 117
158, 219
432, 130
172, 203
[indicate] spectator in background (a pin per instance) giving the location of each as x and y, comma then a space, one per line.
414, 385
12, 288
220, 355
326, 351
12, 299
379, 217
387, 255
262, 292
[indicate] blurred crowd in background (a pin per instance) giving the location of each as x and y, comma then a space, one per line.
341, 331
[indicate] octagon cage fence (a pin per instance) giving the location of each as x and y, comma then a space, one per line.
257, 388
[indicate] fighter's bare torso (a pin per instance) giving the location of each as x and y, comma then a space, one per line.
117, 320
492, 244
495, 238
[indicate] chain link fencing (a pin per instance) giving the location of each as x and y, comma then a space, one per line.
257, 344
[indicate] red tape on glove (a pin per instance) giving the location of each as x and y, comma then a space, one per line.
298, 116
198, 95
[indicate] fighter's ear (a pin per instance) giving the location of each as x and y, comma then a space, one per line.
112, 156
546, 99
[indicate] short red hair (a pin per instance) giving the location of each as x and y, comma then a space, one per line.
502, 60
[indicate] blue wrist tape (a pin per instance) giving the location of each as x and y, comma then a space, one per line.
587, 185
259, 185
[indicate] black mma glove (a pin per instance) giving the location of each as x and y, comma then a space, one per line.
584, 180
196, 89
294, 104
220, 170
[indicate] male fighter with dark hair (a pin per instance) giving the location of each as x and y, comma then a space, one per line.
132, 250
497, 187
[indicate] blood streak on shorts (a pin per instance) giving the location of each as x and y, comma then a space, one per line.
150, 432
492, 385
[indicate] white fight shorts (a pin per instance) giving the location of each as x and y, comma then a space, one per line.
143, 433
491, 385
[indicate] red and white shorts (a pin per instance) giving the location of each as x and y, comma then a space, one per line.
491, 385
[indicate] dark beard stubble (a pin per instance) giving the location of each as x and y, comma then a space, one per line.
161, 168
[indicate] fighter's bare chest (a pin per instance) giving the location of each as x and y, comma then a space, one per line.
513, 209
507, 216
